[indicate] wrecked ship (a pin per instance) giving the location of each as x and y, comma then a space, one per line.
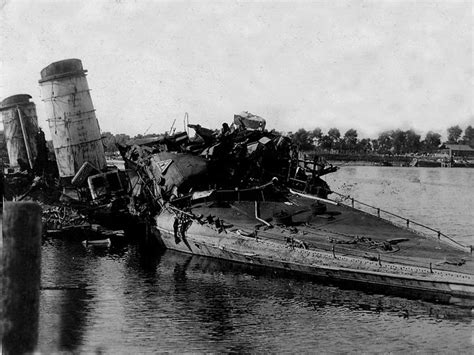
247, 195
241, 193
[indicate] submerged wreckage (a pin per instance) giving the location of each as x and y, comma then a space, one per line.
242, 193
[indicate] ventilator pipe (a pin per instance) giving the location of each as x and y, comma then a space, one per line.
312, 197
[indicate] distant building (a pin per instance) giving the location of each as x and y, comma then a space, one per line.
458, 151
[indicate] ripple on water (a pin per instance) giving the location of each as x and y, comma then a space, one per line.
127, 300
137, 303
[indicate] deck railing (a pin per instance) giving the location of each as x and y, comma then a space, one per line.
397, 219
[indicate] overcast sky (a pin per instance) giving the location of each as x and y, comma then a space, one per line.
368, 65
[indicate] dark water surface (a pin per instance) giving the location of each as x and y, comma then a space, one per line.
129, 299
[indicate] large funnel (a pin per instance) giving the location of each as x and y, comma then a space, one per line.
20, 125
71, 116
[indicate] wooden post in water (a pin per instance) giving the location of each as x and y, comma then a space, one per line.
21, 271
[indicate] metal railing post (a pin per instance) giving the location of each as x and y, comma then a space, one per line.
407, 221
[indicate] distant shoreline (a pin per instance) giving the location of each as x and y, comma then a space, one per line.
396, 163
360, 163
365, 160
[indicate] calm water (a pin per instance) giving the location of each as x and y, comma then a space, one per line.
130, 300
438, 197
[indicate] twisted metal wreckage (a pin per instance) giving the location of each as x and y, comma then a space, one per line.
75, 177
239, 160
242, 193
247, 195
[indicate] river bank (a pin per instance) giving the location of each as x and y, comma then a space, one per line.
366, 159
400, 162
362, 163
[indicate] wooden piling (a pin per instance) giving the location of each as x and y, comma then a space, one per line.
21, 271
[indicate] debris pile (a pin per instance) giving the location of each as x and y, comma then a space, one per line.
75, 187
63, 218
240, 156
79, 189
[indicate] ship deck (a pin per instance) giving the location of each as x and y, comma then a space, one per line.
341, 229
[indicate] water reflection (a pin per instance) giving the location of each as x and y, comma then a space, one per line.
290, 287
211, 303
134, 299
73, 311
63, 295
224, 296
137, 300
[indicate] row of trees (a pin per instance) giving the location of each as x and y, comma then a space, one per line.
110, 140
394, 141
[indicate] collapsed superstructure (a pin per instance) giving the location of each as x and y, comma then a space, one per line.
241, 155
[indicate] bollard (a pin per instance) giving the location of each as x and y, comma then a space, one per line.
21, 272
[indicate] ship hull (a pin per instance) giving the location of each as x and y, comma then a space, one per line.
205, 241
